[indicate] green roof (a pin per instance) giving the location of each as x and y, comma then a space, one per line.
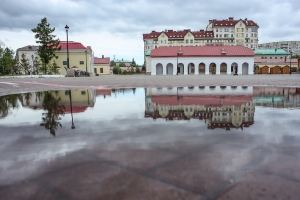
270, 52
148, 53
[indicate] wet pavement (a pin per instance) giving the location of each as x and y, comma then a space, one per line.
151, 143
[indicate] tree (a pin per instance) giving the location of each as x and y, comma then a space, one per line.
131, 70
112, 63
117, 70
24, 64
8, 63
296, 56
137, 70
121, 64
36, 65
133, 62
48, 45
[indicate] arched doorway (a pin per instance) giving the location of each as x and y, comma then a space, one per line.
180, 68
245, 68
170, 68
234, 68
264, 70
223, 68
191, 68
276, 70
159, 69
212, 68
201, 68
286, 69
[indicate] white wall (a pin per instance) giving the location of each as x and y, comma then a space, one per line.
206, 60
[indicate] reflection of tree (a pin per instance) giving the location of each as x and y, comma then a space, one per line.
7, 102
54, 110
27, 97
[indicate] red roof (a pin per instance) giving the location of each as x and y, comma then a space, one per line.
71, 45
281, 60
202, 100
179, 34
228, 22
202, 51
101, 60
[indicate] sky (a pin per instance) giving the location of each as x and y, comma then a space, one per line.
114, 28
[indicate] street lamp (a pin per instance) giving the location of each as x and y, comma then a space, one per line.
179, 52
32, 64
291, 53
67, 30
85, 60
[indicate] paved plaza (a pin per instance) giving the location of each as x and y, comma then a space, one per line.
19, 85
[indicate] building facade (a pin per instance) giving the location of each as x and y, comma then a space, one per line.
201, 60
30, 53
270, 53
276, 66
101, 65
289, 46
228, 32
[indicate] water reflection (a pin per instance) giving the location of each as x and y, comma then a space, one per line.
7, 103
218, 106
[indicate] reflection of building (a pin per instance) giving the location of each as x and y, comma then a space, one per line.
81, 99
279, 97
219, 107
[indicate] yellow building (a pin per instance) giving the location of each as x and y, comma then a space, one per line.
80, 57
101, 65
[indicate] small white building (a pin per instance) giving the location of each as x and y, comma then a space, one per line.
195, 60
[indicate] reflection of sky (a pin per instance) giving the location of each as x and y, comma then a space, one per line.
114, 121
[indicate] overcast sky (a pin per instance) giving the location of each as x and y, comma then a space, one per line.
115, 27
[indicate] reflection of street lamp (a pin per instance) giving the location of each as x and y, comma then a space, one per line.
73, 126
179, 52
86, 60
67, 31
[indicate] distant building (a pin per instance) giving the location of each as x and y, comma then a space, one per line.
126, 62
228, 32
288, 46
101, 65
270, 53
201, 60
30, 53
276, 66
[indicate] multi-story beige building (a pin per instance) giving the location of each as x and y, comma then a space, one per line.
289, 46
228, 32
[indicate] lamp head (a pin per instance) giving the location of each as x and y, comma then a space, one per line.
66, 27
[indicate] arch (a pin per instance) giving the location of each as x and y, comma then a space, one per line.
223, 68
159, 69
234, 68
180, 68
286, 69
276, 70
170, 68
264, 70
201, 68
191, 68
212, 68
245, 68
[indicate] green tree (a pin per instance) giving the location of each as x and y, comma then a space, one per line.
54, 68
133, 62
296, 56
121, 64
131, 70
8, 63
117, 70
36, 65
112, 63
137, 70
48, 45
24, 64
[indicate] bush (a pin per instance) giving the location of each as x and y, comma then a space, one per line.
124, 72
137, 70
117, 70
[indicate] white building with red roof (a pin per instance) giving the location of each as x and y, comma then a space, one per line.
227, 32
197, 60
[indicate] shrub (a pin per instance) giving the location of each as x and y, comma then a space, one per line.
117, 70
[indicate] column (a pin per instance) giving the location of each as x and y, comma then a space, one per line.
206, 68
174, 68
153, 68
185, 72
218, 68
196, 69
240, 68
228, 68
164, 69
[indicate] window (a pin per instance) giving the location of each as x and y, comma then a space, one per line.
161, 41
165, 41
226, 30
101, 70
231, 35
220, 30
226, 35
186, 41
217, 30
95, 70
270, 57
251, 40
275, 57
217, 35
65, 63
242, 34
220, 35
242, 29
238, 30
81, 62
246, 34
191, 41
82, 92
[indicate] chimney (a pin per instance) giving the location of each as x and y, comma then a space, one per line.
102, 56
210, 21
230, 18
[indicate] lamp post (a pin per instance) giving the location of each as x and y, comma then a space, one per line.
179, 52
32, 64
86, 60
291, 53
67, 31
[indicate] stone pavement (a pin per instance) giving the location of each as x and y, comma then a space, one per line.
13, 85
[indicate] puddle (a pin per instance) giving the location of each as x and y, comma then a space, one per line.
197, 140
